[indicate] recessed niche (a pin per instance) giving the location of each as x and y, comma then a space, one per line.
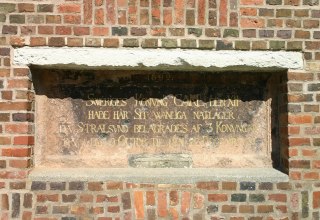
158, 119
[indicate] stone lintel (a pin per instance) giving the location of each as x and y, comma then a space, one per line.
157, 59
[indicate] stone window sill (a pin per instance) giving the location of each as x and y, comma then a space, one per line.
159, 175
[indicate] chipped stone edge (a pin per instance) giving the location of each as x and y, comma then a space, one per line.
156, 59
159, 175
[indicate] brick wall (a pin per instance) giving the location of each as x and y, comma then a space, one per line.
202, 24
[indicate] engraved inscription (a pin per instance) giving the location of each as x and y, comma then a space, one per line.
104, 119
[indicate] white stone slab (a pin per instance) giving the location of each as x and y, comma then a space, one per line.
158, 59
158, 175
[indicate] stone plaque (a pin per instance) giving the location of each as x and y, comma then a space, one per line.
151, 119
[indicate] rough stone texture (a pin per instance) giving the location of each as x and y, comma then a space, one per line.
202, 125
170, 59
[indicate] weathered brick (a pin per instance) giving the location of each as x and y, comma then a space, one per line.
60, 209
119, 31
17, 19
130, 42
56, 41
38, 185
27, 200
45, 8
265, 209
95, 186
69, 198
149, 43
15, 205
25, 7
231, 33
188, 43
212, 209
169, 43
256, 198
206, 44
224, 45
7, 7
229, 209
8, 29
195, 31
57, 186
238, 197
247, 186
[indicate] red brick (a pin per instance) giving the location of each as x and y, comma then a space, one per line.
162, 204
208, 185
19, 163
18, 83
13, 174
6, 95
300, 76
185, 202
300, 119
311, 176
316, 200
27, 215
278, 197
302, 164
173, 213
99, 16
248, 11
217, 197
201, 12
100, 31
47, 197
79, 31
167, 17
114, 209
37, 41
17, 41
295, 175
138, 204
150, 197
63, 30
309, 152
252, 23
4, 72
87, 11
293, 130
16, 152
299, 141
114, 185
179, 12
316, 164
23, 140
72, 19
223, 9
69, 8
111, 14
